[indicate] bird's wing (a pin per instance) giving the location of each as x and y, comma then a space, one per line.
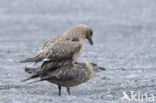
56, 51
49, 42
53, 40
65, 73
52, 65
59, 51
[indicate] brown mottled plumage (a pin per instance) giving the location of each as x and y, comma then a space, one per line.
48, 66
65, 46
67, 76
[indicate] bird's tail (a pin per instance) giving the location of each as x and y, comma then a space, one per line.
31, 60
33, 73
31, 77
30, 70
36, 81
27, 60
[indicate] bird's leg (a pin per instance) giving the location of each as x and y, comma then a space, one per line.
59, 87
68, 90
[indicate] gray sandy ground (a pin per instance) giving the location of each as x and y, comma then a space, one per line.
124, 38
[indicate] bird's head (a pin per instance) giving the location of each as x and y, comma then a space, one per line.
81, 32
94, 66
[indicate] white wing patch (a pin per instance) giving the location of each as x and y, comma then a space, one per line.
46, 60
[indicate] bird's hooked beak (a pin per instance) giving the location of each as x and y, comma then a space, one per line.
101, 68
90, 41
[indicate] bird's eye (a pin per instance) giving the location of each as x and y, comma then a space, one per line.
91, 32
94, 64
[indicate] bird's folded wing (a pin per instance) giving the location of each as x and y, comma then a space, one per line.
48, 43
65, 73
61, 50
53, 65
53, 40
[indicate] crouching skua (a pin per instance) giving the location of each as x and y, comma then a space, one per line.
66, 76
